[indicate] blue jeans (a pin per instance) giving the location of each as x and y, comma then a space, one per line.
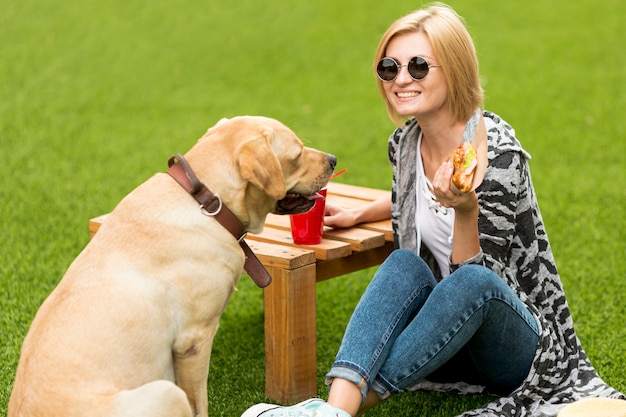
470, 327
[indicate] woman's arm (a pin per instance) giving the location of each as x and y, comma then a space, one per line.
466, 243
374, 211
501, 200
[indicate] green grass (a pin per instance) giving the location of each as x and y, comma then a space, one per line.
95, 96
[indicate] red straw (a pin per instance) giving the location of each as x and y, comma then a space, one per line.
336, 174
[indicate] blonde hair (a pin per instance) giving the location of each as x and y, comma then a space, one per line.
454, 50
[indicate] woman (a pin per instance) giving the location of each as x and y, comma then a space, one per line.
471, 301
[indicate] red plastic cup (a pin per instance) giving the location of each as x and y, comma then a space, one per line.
307, 228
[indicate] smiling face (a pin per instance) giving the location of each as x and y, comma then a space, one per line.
410, 97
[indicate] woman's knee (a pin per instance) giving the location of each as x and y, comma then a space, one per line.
400, 256
403, 265
474, 279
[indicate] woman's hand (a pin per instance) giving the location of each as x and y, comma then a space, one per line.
373, 211
461, 202
336, 216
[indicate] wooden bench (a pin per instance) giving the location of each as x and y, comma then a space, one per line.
289, 301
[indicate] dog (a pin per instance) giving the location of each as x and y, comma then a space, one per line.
128, 331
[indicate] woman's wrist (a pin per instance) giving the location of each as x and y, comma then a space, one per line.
466, 243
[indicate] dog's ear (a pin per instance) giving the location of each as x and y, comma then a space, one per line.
259, 165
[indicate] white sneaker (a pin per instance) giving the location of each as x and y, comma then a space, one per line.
314, 407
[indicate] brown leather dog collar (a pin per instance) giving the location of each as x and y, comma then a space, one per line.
211, 205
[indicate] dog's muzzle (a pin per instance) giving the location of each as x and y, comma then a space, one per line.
296, 203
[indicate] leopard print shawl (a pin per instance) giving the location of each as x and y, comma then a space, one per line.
515, 245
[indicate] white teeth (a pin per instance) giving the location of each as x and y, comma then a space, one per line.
408, 94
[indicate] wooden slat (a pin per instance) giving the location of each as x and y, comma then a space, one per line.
282, 222
327, 249
356, 191
346, 202
359, 260
359, 239
281, 256
383, 226
278, 221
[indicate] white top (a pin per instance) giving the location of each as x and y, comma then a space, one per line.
435, 223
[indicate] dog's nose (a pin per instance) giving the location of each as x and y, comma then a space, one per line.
332, 160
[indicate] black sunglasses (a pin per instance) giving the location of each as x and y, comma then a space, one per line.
388, 68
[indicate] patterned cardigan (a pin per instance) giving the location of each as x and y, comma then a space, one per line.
515, 245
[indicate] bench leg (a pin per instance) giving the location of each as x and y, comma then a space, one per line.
290, 338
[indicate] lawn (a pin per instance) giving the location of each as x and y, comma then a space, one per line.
96, 95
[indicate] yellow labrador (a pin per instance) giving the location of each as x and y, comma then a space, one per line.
128, 331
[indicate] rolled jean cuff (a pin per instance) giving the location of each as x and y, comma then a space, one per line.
350, 372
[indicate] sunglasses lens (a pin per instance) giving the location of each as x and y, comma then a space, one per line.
387, 69
418, 67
